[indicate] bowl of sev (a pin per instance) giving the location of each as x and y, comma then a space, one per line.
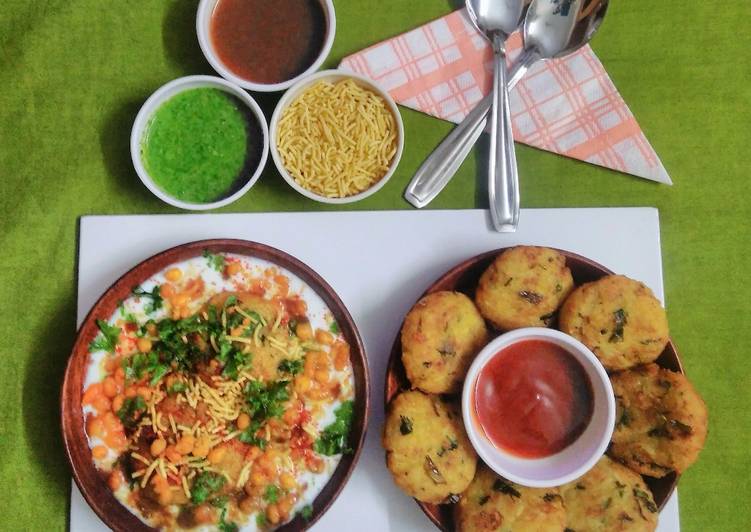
336, 137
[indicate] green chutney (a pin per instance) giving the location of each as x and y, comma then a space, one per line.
201, 145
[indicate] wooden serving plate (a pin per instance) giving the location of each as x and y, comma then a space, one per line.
464, 278
93, 484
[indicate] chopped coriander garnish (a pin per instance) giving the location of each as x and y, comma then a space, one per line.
290, 366
306, 512
261, 520
334, 327
215, 260
271, 494
226, 526
334, 438
131, 411
156, 299
110, 336
206, 484
177, 387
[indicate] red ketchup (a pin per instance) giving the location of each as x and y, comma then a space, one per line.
533, 399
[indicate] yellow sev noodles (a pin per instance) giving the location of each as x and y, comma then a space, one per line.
337, 140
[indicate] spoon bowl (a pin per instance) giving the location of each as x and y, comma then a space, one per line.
441, 165
552, 31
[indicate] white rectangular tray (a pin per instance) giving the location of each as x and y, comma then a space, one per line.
379, 263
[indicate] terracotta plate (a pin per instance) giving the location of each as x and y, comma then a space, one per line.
92, 484
464, 278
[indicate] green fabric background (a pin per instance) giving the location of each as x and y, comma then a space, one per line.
74, 73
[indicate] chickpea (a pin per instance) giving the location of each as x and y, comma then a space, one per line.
167, 291
203, 514
216, 455
165, 497
284, 507
243, 421
109, 387
94, 426
232, 268
272, 514
322, 376
304, 331
120, 374
247, 505
158, 446
287, 481
115, 480
145, 392
257, 478
117, 403
102, 404
131, 391
180, 300
144, 345
324, 337
151, 327
202, 447
316, 466
99, 452
185, 445
172, 454
173, 274
302, 384
184, 313
341, 355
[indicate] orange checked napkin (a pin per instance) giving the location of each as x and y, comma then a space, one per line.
567, 106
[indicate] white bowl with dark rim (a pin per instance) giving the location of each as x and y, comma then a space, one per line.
334, 76
567, 464
203, 31
164, 93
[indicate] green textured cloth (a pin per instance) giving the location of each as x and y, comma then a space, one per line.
75, 72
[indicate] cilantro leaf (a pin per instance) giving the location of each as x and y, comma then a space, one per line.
206, 484
261, 520
271, 494
156, 299
215, 260
265, 400
334, 438
334, 327
306, 512
293, 367
109, 338
177, 387
131, 411
226, 526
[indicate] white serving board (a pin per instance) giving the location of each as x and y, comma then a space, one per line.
379, 263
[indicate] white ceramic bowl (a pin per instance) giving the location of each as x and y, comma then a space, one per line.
334, 76
573, 461
203, 24
164, 93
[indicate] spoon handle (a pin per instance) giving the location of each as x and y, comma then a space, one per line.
441, 165
502, 175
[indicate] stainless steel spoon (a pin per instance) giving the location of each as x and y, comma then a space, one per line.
441, 165
497, 19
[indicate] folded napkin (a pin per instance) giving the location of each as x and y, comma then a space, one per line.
567, 106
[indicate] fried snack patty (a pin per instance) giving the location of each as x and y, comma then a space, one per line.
523, 287
609, 497
493, 503
619, 319
441, 336
427, 450
661, 421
